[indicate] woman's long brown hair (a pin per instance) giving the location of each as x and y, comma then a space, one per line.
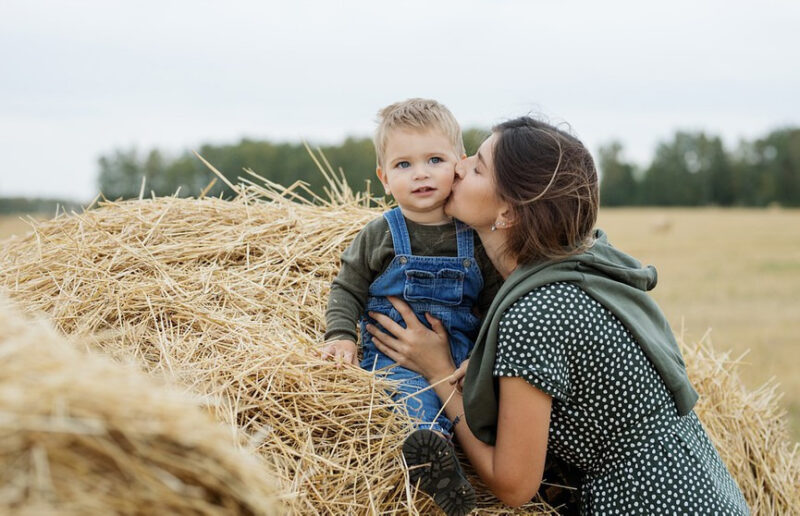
549, 179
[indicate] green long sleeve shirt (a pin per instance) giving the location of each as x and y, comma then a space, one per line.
370, 254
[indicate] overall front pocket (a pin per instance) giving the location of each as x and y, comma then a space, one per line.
445, 286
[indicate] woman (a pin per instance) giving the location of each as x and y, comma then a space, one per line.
573, 357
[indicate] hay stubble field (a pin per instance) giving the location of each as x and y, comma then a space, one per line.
730, 275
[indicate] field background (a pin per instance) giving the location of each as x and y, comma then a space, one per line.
731, 275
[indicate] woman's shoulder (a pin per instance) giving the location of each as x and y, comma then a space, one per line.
535, 341
546, 319
554, 301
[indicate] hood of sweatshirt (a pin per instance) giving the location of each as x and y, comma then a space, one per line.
616, 265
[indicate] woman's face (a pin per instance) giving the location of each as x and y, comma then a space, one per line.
474, 199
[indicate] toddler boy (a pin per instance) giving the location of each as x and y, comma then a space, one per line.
434, 263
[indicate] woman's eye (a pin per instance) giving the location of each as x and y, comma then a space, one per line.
476, 170
403, 164
436, 159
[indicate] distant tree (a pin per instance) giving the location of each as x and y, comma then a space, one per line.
120, 174
356, 158
473, 138
776, 160
153, 170
716, 172
690, 170
189, 174
618, 185
10, 205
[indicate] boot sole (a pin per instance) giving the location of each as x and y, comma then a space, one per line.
432, 462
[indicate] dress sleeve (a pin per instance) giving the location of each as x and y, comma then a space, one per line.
534, 342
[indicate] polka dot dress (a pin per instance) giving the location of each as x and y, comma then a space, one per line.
612, 416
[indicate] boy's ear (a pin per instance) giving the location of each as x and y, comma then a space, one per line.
463, 156
383, 179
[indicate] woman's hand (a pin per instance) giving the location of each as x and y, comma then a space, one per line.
415, 347
457, 378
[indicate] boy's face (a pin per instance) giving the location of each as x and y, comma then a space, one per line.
418, 169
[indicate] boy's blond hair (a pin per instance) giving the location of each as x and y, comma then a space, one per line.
418, 114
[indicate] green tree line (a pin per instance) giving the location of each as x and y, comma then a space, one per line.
695, 169
691, 169
122, 171
43, 206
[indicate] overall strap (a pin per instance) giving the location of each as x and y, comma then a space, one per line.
397, 225
465, 240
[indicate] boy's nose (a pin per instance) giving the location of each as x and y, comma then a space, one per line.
421, 172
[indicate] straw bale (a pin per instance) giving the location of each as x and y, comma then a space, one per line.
749, 429
228, 298
81, 434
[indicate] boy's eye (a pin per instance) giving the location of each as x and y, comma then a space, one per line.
403, 164
436, 159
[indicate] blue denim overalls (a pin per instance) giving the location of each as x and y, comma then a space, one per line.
447, 287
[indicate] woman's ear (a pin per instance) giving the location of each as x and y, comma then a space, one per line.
505, 218
383, 179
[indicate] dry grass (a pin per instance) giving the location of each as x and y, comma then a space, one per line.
16, 225
227, 298
734, 271
80, 434
748, 427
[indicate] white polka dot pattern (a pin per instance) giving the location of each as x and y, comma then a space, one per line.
612, 415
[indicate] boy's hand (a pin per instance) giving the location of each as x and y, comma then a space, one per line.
457, 377
342, 351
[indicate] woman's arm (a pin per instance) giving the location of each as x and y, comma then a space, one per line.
512, 468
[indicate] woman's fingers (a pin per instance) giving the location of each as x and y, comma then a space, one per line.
384, 348
436, 324
380, 335
387, 322
382, 338
458, 375
405, 312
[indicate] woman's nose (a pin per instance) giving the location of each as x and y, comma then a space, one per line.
460, 168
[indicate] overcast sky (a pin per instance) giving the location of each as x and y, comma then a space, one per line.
81, 78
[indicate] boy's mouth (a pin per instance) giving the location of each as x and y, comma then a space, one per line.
423, 189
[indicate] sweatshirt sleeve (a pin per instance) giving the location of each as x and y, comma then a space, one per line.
492, 281
360, 264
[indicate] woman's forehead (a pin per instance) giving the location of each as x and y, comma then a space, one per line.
486, 150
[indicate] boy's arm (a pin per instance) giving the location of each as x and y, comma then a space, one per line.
348, 296
361, 262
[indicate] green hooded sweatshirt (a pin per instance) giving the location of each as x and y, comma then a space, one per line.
614, 279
